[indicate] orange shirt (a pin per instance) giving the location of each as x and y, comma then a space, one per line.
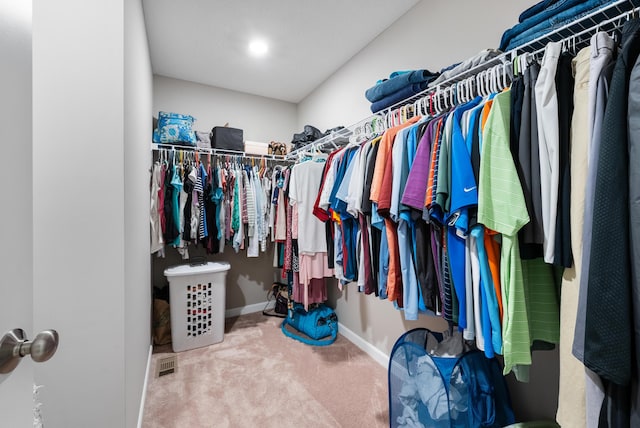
493, 254
381, 194
383, 159
394, 275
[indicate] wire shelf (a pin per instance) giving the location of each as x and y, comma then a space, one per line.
577, 33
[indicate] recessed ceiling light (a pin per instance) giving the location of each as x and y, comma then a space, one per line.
258, 47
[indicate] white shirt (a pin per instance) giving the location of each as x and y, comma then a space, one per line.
304, 185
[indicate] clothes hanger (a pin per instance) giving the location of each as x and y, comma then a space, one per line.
499, 79
473, 85
409, 113
486, 82
428, 105
445, 99
439, 100
376, 124
465, 91
522, 63
357, 135
454, 98
387, 119
396, 117
460, 95
505, 79
448, 98
494, 80
381, 125
402, 111
479, 87
390, 119
417, 107
470, 82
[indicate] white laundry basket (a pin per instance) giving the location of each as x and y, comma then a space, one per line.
197, 296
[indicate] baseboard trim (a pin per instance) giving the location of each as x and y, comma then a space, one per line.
379, 356
143, 398
249, 309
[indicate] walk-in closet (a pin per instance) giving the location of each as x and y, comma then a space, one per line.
328, 214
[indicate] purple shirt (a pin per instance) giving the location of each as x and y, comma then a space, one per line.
416, 188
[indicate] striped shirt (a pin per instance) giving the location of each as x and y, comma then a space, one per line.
501, 207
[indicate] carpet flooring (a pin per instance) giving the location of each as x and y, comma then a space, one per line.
258, 377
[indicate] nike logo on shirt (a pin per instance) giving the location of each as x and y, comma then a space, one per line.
468, 189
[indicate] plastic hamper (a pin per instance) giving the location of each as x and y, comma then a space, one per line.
197, 295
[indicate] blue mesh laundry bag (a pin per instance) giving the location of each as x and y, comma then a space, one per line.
428, 391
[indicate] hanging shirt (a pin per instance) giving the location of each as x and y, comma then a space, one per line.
501, 207
157, 240
303, 189
416, 186
202, 178
462, 193
356, 185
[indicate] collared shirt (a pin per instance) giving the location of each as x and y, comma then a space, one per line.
501, 207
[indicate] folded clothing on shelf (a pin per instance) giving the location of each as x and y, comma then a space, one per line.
396, 97
452, 71
545, 17
398, 80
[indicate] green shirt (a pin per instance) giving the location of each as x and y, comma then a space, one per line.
501, 207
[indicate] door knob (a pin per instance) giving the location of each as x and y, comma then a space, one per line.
14, 345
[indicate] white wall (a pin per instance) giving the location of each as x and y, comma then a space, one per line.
262, 119
16, 285
79, 212
138, 82
432, 35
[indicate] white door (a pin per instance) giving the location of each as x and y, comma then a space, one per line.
16, 212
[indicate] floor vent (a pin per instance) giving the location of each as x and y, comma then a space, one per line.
167, 365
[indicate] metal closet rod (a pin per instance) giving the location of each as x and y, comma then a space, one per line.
216, 152
607, 18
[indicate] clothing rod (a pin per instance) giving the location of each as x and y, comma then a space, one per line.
601, 26
217, 152
605, 18
611, 13
619, 13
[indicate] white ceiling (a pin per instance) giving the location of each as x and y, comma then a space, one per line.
205, 41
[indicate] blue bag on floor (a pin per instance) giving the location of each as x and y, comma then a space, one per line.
319, 323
